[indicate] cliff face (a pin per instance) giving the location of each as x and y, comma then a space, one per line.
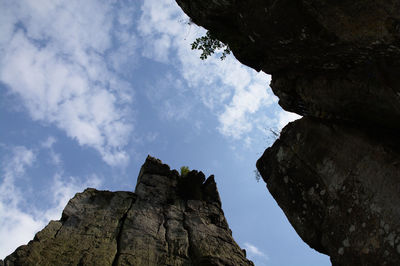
169, 220
340, 189
335, 172
328, 59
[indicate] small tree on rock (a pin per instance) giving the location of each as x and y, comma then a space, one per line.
184, 171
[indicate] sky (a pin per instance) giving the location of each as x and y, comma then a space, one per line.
89, 88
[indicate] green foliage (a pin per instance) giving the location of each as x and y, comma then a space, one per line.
184, 171
208, 44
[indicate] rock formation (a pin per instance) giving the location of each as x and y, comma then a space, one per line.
335, 172
169, 220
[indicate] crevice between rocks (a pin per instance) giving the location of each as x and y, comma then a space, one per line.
165, 225
191, 254
63, 219
58, 230
121, 223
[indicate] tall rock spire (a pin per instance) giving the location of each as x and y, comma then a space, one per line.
169, 220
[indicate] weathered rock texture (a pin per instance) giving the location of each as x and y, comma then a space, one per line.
340, 189
335, 172
169, 220
328, 59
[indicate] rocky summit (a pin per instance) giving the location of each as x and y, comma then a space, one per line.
169, 220
335, 172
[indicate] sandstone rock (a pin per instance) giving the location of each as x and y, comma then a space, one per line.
335, 173
86, 234
328, 59
159, 224
339, 188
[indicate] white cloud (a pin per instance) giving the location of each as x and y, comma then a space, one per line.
17, 225
235, 93
17, 228
54, 56
255, 254
286, 117
251, 249
237, 118
14, 167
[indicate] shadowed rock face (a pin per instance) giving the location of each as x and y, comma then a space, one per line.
339, 188
335, 172
328, 59
160, 224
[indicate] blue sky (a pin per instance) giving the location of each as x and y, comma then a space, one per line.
89, 88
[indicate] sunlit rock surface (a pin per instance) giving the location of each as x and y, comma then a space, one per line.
335, 172
169, 220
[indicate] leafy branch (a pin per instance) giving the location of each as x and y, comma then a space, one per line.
208, 44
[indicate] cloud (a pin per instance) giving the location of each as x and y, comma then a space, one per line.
286, 117
18, 225
237, 117
15, 225
235, 93
17, 228
14, 167
65, 61
251, 249
255, 254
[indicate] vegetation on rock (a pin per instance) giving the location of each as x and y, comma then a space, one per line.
208, 44
184, 171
